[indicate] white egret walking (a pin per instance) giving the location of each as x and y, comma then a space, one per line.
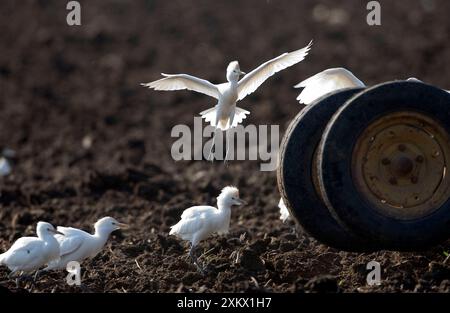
28, 254
225, 114
78, 245
199, 222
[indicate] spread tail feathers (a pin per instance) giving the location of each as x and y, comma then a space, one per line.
210, 117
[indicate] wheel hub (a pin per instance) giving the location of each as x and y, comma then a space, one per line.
399, 164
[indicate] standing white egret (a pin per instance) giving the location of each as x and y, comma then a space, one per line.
199, 222
225, 114
332, 79
78, 245
284, 212
28, 254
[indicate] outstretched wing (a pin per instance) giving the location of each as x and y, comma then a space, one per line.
250, 82
325, 82
184, 81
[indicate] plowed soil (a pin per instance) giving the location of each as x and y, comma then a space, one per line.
91, 142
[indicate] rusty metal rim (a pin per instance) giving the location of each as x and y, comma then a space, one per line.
399, 165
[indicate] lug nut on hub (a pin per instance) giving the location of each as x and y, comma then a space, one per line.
393, 181
385, 161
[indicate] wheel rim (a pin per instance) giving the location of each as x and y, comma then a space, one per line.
399, 164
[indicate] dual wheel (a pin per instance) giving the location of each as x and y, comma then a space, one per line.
367, 169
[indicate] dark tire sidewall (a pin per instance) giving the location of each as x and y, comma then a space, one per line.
295, 173
335, 164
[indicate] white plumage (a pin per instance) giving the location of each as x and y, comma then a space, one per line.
332, 79
223, 114
284, 212
5, 167
28, 254
210, 117
199, 222
78, 245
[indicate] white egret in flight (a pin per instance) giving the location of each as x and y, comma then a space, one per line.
225, 114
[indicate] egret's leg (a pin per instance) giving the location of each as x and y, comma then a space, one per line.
192, 255
195, 261
18, 277
36, 275
11, 275
227, 135
22, 277
212, 146
85, 288
228, 147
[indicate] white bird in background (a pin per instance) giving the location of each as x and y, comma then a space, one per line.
199, 222
225, 114
5, 167
28, 254
284, 212
78, 245
418, 80
332, 79
413, 79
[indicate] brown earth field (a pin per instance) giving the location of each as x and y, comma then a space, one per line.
91, 142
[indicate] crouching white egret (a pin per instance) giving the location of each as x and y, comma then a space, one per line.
29, 254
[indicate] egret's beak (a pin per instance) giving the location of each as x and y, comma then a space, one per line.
242, 73
241, 202
123, 226
57, 232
